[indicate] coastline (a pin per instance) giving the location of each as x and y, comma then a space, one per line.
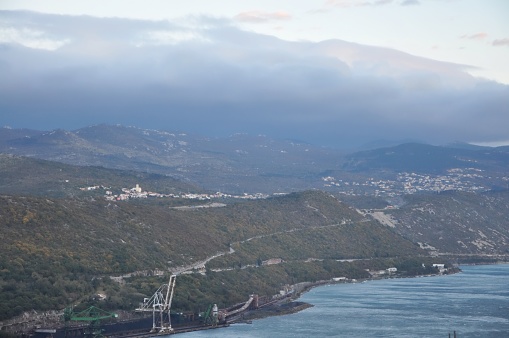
293, 305
432, 307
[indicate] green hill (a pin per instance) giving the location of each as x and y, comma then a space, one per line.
53, 250
29, 176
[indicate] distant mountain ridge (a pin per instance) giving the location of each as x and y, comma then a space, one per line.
428, 158
245, 163
221, 164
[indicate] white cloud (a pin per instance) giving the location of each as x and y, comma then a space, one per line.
31, 38
209, 76
410, 2
166, 37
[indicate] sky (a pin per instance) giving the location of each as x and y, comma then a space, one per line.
336, 73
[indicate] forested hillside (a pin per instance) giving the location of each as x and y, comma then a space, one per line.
62, 243
30, 176
54, 250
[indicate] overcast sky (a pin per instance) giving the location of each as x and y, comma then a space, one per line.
335, 73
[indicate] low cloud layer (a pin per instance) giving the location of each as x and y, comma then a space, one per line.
205, 75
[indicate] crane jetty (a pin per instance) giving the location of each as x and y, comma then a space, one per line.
162, 321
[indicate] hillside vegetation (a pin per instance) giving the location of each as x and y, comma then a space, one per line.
456, 222
53, 249
30, 176
61, 244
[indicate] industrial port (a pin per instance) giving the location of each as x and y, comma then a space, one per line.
154, 317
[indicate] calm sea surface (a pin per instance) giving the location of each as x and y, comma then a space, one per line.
474, 303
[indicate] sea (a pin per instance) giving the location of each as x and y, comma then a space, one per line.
473, 303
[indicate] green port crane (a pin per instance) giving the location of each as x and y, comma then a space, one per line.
92, 315
210, 317
206, 315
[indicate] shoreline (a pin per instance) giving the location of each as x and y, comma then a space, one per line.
292, 305
453, 303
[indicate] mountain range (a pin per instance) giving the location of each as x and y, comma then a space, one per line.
82, 210
393, 185
244, 163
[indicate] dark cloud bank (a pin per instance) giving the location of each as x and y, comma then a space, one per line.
207, 76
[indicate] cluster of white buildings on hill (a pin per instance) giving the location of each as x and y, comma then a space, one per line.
138, 192
410, 183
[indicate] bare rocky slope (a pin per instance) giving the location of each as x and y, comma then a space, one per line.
453, 222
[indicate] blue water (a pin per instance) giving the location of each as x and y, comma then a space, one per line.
474, 303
